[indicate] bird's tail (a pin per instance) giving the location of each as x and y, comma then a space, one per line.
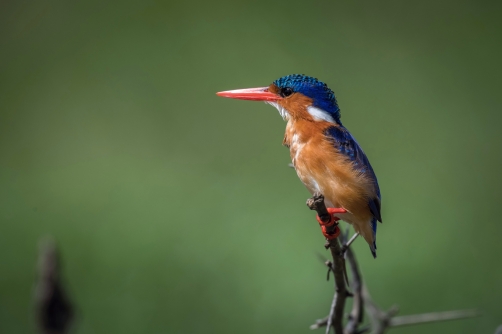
374, 228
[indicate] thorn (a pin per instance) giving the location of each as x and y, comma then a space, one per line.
329, 264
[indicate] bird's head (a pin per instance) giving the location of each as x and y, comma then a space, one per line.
295, 96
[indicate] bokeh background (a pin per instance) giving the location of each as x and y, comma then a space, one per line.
175, 210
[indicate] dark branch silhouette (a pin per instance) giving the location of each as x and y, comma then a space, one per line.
53, 308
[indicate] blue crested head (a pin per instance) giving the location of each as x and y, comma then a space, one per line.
322, 97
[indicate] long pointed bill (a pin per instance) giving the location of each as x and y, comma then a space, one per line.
253, 94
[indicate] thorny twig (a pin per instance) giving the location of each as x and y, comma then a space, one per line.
380, 320
337, 266
356, 315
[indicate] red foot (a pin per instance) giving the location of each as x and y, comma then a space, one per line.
333, 221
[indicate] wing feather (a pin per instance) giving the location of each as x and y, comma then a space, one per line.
347, 145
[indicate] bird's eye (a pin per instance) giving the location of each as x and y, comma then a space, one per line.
286, 91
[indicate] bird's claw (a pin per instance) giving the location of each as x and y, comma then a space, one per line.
333, 221
331, 236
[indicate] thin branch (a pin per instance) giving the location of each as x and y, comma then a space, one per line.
347, 244
335, 318
319, 323
331, 316
382, 320
356, 315
432, 317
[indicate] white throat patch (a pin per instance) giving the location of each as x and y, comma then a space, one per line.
316, 113
283, 112
320, 115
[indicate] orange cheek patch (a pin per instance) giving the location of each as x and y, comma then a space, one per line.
296, 105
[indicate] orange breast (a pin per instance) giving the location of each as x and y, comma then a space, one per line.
322, 168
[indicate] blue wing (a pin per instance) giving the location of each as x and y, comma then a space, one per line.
347, 145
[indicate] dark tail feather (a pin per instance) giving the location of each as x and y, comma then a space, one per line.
373, 250
374, 228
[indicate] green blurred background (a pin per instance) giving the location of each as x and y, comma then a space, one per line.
175, 210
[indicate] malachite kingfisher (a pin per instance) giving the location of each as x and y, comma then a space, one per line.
325, 155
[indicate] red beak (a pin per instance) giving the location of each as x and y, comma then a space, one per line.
253, 94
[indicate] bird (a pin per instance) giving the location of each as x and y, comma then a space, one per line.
325, 155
